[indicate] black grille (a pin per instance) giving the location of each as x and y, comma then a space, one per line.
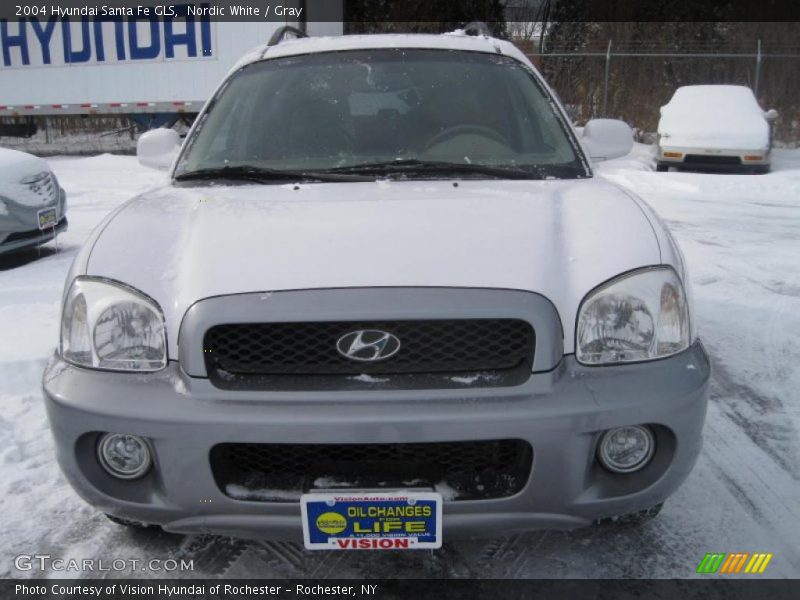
430, 346
462, 470
703, 159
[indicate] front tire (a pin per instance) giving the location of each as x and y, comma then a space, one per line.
633, 519
132, 524
662, 168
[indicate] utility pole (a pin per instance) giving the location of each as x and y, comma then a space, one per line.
758, 69
605, 85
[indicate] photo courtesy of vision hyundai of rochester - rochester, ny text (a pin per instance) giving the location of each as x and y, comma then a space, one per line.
381, 301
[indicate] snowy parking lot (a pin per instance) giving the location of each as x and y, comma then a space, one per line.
741, 237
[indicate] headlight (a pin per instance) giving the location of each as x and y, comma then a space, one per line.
109, 326
35, 178
639, 316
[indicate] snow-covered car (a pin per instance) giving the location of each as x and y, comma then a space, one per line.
382, 284
32, 204
715, 127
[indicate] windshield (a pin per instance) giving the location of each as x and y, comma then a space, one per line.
420, 112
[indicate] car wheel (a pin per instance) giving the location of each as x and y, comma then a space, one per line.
131, 524
662, 168
637, 518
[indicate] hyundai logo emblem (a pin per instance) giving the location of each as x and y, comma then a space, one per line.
368, 345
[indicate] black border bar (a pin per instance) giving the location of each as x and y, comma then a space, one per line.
427, 11
711, 588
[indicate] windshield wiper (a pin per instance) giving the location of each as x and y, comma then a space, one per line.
428, 167
263, 175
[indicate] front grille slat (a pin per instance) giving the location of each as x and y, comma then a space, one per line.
427, 346
281, 472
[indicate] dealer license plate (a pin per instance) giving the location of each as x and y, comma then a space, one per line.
372, 521
48, 218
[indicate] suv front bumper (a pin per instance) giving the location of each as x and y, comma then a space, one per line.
561, 413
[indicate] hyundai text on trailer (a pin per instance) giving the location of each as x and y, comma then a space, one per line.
151, 68
383, 297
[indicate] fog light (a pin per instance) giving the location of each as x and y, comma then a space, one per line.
626, 449
673, 154
124, 456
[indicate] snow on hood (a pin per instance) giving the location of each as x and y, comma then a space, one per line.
15, 165
714, 116
557, 238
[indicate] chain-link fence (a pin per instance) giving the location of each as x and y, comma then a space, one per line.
633, 85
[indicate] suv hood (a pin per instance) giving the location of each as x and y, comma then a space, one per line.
556, 238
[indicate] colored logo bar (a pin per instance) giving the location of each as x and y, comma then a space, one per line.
735, 562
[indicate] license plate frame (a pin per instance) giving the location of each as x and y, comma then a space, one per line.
47, 218
342, 520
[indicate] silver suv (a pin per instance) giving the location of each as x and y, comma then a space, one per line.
382, 299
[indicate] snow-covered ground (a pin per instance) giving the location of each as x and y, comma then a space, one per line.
741, 237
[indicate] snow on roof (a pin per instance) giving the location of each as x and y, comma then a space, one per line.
710, 95
456, 40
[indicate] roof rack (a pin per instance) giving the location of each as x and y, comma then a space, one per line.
281, 33
477, 28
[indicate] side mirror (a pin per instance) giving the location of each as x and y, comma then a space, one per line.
771, 115
607, 138
158, 148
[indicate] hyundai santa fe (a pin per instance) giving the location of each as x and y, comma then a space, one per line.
382, 299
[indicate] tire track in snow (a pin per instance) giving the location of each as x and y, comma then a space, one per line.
495, 554
213, 555
289, 554
755, 414
762, 487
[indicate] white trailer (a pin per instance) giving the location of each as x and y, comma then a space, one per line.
101, 67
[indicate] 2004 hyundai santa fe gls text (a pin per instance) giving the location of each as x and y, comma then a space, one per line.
382, 298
